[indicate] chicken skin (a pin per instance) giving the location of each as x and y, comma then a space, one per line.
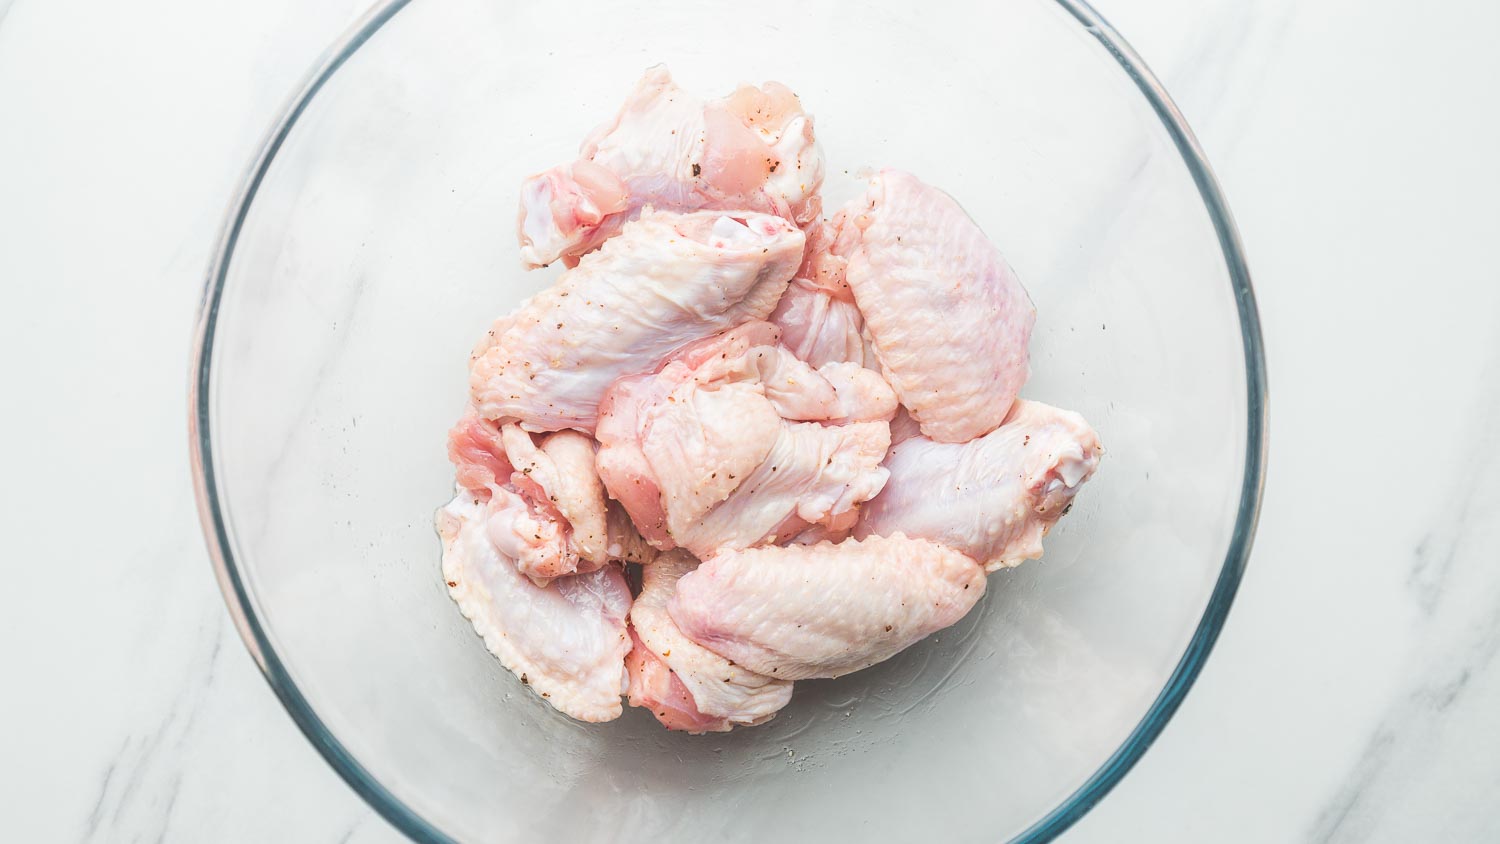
686, 686
993, 498
666, 280
947, 318
806, 611
736, 442
819, 321
751, 151
567, 640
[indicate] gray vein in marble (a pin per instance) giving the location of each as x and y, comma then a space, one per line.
96, 814
1220, 79
1404, 742
328, 359
1456, 586
349, 833
1436, 551
174, 788
143, 780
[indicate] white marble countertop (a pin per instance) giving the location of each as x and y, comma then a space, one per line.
1352, 696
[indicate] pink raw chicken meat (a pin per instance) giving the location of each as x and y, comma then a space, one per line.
752, 151
547, 509
686, 686
806, 611
567, 640
625, 542
817, 316
948, 320
655, 688
993, 498
727, 446
666, 280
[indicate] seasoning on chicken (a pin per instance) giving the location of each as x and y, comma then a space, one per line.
806, 611
736, 442
751, 151
686, 686
567, 640
666, 280
817, 316
993, 498
547, 508
946, 315
825, 412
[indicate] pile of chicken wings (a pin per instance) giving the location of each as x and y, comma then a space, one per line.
738, 444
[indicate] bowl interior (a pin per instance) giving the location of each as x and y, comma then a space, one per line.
378, 246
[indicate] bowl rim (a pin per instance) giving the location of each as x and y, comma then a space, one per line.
406, 819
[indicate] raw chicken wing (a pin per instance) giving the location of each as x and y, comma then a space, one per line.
806, 611
825, 412
713, 451
478, 455
993, 498
817, 316
752, 151
546, 504
567, 640
687, 686
666, 280
948, 319
655, 688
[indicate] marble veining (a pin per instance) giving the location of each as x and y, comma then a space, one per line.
1223, 64
140, 785
1455, 582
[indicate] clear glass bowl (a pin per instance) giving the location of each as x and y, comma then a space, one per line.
374, 242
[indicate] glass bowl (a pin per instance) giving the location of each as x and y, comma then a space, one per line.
373, 242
